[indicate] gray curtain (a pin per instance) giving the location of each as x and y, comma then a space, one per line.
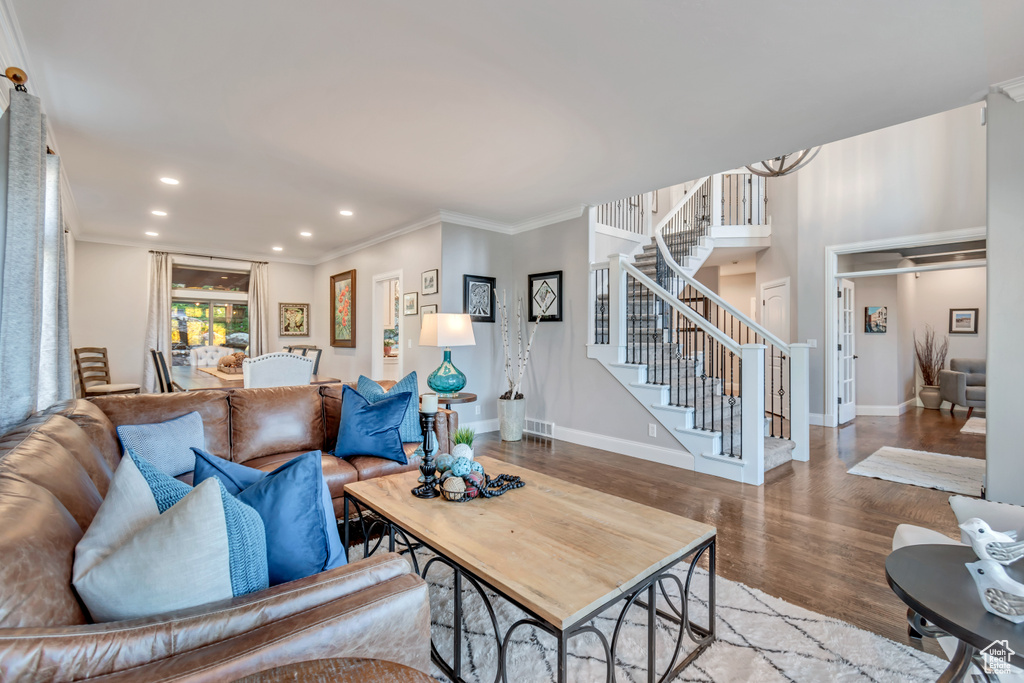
158, 324
259, 342
35, 352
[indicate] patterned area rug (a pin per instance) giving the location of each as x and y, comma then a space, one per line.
975, 425
929, 470
760, 638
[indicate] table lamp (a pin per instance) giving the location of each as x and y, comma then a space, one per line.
447, 330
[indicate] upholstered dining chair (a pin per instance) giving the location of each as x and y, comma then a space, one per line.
163, 375
309, 351
276, 370
94, 373
207, 356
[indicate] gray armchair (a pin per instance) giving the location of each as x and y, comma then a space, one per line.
963, 384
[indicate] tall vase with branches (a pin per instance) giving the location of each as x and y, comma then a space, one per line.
931, 357
512, 403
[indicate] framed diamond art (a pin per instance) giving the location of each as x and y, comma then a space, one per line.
546, 296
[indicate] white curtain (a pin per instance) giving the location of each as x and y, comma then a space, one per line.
158, 325
259, 341
35, 352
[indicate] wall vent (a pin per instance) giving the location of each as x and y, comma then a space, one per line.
540, 427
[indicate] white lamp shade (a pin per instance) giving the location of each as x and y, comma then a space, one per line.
447, 329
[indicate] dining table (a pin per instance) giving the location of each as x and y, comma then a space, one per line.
190, 378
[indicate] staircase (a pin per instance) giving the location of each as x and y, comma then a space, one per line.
731, 394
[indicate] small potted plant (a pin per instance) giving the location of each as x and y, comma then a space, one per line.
931, 357
463, 439
389, 347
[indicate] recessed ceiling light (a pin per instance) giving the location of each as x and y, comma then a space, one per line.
169, 181
346, 212
223, 277
278, 248
306, 233
159, 213
152, 234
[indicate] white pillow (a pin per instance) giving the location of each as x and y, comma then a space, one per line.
136, 561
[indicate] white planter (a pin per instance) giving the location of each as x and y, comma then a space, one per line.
511, 418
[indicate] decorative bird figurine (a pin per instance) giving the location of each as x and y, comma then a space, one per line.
1000, 594
1002, 547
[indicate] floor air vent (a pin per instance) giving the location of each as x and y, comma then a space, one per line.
540, 427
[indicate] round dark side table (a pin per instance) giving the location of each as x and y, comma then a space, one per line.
340, 671
935, 584
461, 397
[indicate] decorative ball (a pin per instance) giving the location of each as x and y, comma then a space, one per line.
474, 482
453, 488
461, 466
462, 450
444, 462
477, 468
446, 475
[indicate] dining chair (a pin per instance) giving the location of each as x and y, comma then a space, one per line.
163, 375
208, 356
94, 373
276, 370
309, 351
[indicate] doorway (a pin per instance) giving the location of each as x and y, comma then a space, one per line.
386, 347
847, 401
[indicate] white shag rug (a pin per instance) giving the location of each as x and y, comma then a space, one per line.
975, 425
951, 473
759, 638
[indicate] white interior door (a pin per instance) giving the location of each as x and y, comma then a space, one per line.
775, 318
847, 357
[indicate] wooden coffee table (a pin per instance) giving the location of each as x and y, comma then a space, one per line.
560, 552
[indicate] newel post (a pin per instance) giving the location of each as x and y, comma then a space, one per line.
617, 304
752, 394
800, 400
716, 199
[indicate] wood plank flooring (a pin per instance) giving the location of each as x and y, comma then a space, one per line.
812, 535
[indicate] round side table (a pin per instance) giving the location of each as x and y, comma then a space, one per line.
934, 583
461, 397
340, 671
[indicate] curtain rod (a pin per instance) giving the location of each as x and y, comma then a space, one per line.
219, 258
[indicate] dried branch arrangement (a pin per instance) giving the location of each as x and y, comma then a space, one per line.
514, 372
931, 356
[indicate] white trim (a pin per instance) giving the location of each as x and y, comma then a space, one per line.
951, 265
427, 222
820, 420
540, 221
1013, 88
832, 253
666, 456
173, 248
377, 327
481, 426
619, 233
885, 411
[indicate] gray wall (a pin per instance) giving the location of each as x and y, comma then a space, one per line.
1006, 296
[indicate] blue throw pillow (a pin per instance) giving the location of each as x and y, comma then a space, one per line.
409, 430
168, 445
371, 429
295, 506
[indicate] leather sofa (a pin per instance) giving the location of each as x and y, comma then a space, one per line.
55, 469
963, 384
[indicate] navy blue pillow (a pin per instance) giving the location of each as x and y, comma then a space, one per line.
371, 428
295, 505
409, 430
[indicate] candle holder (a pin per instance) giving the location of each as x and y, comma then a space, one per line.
427, 467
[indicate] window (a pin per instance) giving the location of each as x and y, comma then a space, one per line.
215, 312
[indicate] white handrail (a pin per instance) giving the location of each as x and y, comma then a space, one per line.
679, 205
686, 311
720, 302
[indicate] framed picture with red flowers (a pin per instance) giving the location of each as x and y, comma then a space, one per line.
343, 309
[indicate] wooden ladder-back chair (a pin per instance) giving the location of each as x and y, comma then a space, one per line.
94, 374
163, 375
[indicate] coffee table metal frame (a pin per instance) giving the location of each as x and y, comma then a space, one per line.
643, 594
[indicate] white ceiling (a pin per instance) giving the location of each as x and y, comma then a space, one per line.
276, 115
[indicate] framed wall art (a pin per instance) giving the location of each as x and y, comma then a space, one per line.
429, 309
876, 319
428, 282
293, 320
410, 303
343, 309
963, 321
545, 291
478, 298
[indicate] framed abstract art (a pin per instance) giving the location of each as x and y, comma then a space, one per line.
343, 309
545, 292
478, 298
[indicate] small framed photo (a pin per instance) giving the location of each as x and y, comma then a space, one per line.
546, 296
428, 282
963, 321
429, 309
293, 320
411, 303
478, 298
876, 319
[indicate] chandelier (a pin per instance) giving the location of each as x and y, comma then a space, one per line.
785, 164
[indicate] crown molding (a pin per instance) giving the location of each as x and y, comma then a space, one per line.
433, 219
1013, 88
540, 221
185, 249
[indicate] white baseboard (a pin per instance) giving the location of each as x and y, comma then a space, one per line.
481, 426
885, 411
636, 449
819, 420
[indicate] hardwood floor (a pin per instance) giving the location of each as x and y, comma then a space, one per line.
812, 535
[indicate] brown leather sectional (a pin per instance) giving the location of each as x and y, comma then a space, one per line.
55, 469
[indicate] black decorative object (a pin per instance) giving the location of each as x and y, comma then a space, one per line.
478, 298
545, 293
502, 483
427, 467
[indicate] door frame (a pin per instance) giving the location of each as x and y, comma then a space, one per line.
830, 418
377, 325
851, 353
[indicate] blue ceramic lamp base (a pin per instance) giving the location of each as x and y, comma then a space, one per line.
447, 380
